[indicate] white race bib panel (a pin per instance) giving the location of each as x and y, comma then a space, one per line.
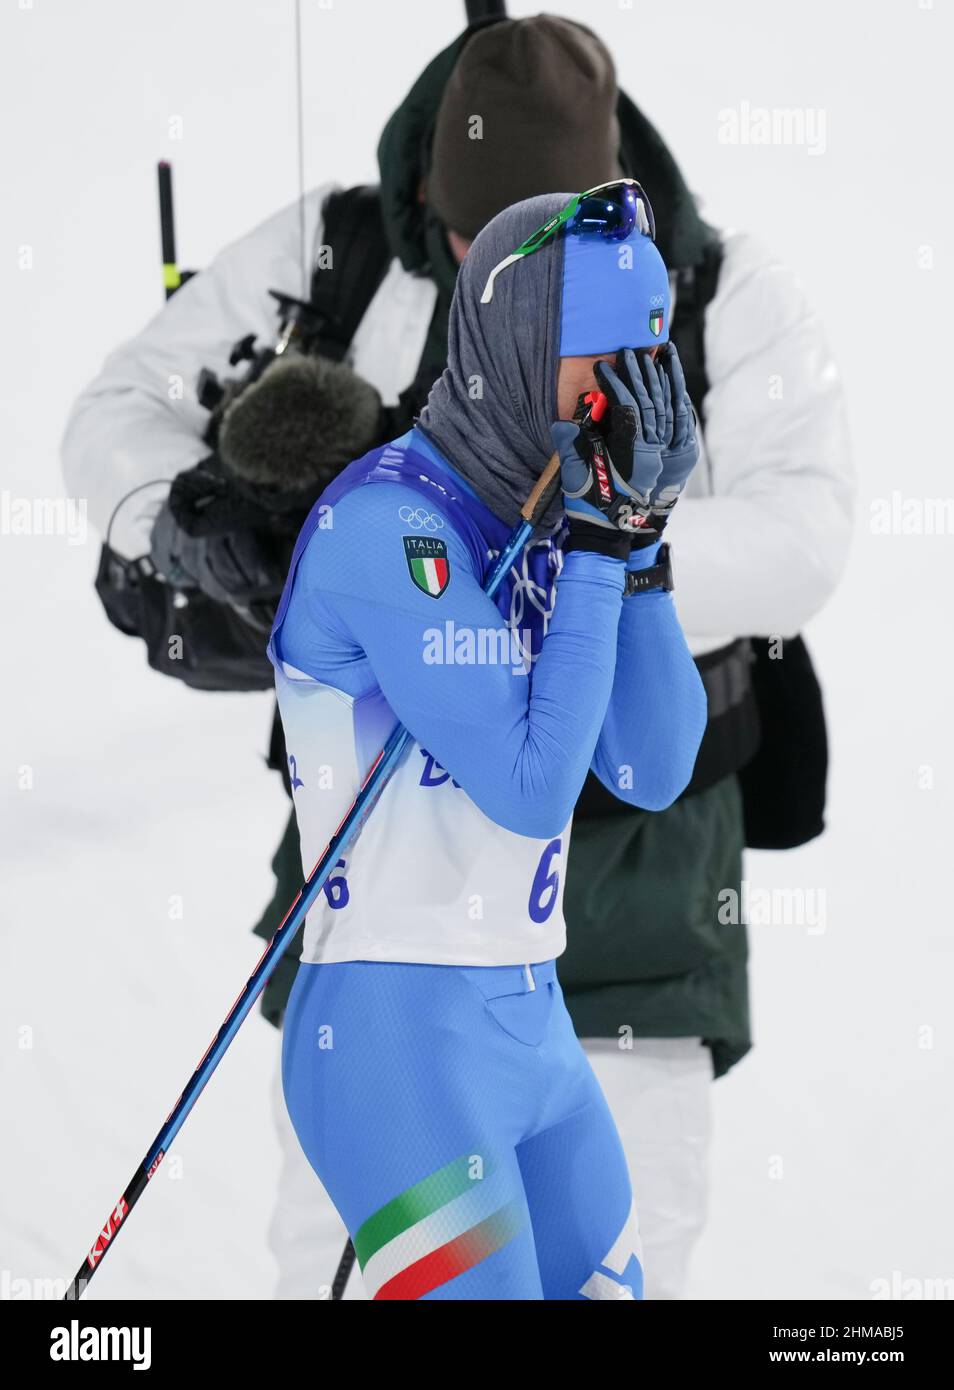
430, 878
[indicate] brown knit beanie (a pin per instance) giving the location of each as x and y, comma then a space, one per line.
530, 108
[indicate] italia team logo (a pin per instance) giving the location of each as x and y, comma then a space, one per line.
655, 322
427, 563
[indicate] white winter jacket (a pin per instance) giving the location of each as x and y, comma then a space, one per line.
759, 539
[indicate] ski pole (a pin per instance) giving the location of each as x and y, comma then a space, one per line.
370, 790
345, 1266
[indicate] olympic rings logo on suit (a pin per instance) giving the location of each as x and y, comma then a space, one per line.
420, 519
529, 591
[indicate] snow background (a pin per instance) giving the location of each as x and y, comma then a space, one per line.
143, 789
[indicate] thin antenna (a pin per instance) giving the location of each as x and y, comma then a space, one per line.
301, 151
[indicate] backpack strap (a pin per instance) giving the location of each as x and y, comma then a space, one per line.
695, 289
353, 228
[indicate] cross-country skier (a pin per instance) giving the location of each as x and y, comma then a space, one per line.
430, 1066
762, 535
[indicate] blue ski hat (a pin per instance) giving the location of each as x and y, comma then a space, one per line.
615, 295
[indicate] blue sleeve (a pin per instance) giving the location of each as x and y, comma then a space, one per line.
519, 747
657, 711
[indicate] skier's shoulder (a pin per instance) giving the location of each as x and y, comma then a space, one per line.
392, 505
366, 537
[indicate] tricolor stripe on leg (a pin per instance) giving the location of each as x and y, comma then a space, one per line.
437, 1229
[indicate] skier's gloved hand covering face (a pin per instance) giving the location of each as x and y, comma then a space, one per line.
609, 471
681, 453
635, 425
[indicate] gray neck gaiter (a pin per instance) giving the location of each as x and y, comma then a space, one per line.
491, 410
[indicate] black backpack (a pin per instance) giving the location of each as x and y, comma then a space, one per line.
784, 775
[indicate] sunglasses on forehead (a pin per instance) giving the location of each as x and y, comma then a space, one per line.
610, 210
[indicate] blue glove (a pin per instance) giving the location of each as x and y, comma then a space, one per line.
609, 470
681, 452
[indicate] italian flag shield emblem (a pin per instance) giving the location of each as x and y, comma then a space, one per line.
427, 564
655, 322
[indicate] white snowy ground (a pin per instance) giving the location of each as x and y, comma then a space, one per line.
830, 1165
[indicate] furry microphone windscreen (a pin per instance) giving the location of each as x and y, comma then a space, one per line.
299, 424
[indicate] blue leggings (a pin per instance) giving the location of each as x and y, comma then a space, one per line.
455, 1122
